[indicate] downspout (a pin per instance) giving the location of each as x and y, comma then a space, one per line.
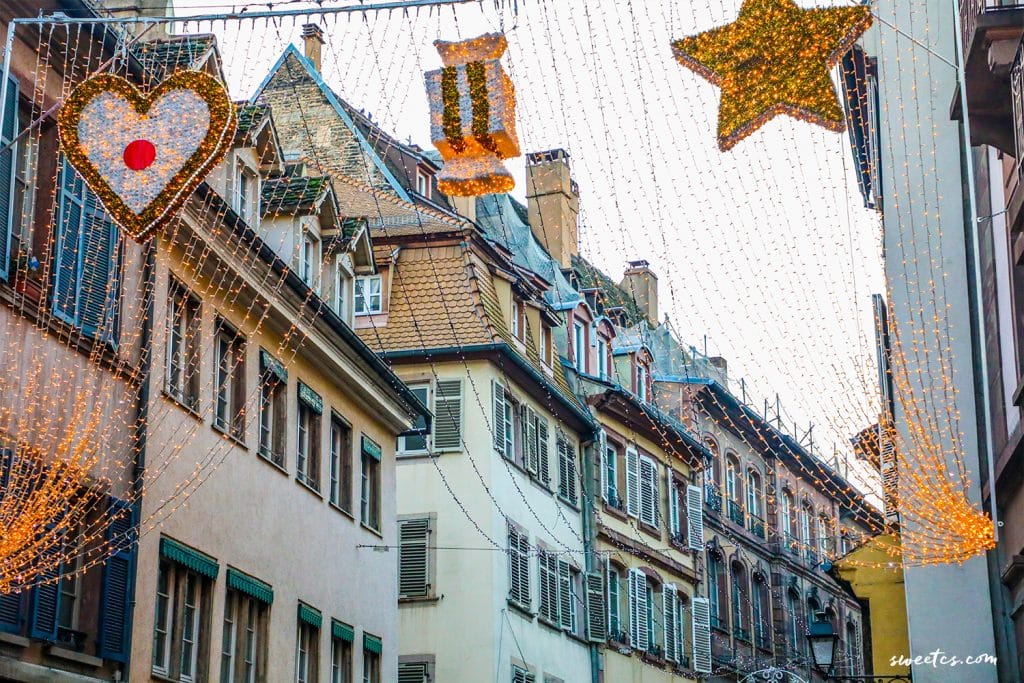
590, 537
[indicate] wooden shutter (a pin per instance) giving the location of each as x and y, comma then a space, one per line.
669, 609
414, 672
519, 567
68, 236
98, 287
597, 625
701, 635
500, 406
566, 470
448, 415
632, 483
565, 597
543, 467
549, 591
531, 440
520, 675
8, 164
602, 463
639, 609
118, 583
695, 517
10, 603
46, 596
648, 492
674, 527
414, 558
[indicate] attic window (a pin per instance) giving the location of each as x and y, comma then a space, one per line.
246, 192
423, 183
642, 380
545, 343
517, 319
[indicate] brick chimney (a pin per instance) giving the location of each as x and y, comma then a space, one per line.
313, 40
641, 283
553, 203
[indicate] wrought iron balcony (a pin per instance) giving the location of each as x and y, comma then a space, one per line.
713, 497
717, 622
736, 512
756, 526
792, 544
742, 634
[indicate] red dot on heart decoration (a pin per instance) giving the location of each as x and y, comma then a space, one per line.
139, 154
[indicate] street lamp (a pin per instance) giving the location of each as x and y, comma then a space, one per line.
823, 639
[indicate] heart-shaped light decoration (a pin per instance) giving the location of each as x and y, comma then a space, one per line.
144, 154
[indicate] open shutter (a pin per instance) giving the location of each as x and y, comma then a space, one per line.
674, 528
118, 583
448, 415
10, 603
565, 605
642, 641
413, 558
695, 517
542, 449
531, 440
97, 297
597, 626
648, 492
67, 270
632, 483
8, 161
602, 447
499, 417
701, 635
669, 606
633, 608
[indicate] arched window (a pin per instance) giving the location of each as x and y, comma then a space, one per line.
734, 489
740, 603
716, 463
787, 521
844, 542
716, 579
761, 605
755, 520
806, 539
824, 533
852, 649
794, 623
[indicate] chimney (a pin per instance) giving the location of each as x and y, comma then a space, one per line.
553, 203
142, 8
313, 40
641, 283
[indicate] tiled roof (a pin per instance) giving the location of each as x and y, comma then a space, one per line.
610, 294
250, 115
290, 194
172, 54
389, 215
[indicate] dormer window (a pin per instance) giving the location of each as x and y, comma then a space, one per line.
245, 195
423, 183
602, 358
368, 298
308, 266
517, 319
545, 343
342, 289
642, 379
579, 346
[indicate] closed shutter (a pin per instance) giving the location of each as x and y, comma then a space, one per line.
543, 468
548, 580
520, 675
118, 583
674, 528
500, 407
695, 517
597, 627
46, 596
602, 447
448, 415
701, 635
97, 300
638, 609
531, 440
519, 568
8, 162
413, 558
632, 483
648, 492
415, 672
10, 603
565, 598
669, 608
567, 470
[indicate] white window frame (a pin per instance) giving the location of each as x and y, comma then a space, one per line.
602, 358
359, 291
423, 183
308, 252
403, 448
579, 347
343, 293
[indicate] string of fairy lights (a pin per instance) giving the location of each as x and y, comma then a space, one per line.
198, 250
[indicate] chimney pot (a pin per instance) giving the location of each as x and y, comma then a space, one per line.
313, 40
641, 283
553, 203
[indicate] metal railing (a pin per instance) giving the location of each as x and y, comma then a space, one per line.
971, 10
1017, 95
736, 512
756, 526
713, 497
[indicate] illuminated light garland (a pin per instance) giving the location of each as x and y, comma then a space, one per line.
774, 59
143, 155
472, 116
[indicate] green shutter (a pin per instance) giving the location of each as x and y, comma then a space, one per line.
372, 644
371, 448
187, 557
8, 165
310, 615
270, 365
342, 631
311, 399
250, 585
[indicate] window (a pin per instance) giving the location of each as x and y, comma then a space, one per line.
342, 285
788, 518
370, 489
245, 198
614, 613
762, 613
415, 578
229, 382
611, 474
368, 296
341, 463
504, 422
675, 507
70, 583
825, 542
716, 579
567, 470
852, 647
183, 346
273, 410
371, 658
639, 610
545, 343
518, 567
423, 184
86, 281
641, 381
180, 622
307, 646
649, 494
517, 319
341, 653
415, 672
579, 346
244, 638
521, 675
754, 494
417, 443
794, 622
602, 358
731, 484
740, 603
10, 191
805, 528
308, 251
307, 442
560, 591
570, 597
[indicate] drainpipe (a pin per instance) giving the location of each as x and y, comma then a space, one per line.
590, 537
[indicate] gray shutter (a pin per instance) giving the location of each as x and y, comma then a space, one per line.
8, 164
414, 558
519, 567
701, 635
448, 415
602, 455
67, 272
531, 440
632, 483
97, 299
648, 492
542, 449
597, 626
669, 607
695, 517
565, 606
638, 609
500, 407
675, 529
413, 672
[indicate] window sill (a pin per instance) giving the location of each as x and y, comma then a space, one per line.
575, 506
181, 404
577, 637
238, 440
343, 511
424, 600
15, 640
614, 512
309, 487
523, 611
279, 468
546, 487
375, 532
653, 532
550, 624
72, 656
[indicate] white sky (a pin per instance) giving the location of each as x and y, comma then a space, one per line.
765, 250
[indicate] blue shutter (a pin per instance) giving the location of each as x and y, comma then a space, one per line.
98, 285
69, 234
10, 603
8, 159
46, 596
118, 583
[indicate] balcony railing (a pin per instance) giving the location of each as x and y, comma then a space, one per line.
742, 634
713, 497
756, 526
971, 11
1017, 95
793, 545
735, 512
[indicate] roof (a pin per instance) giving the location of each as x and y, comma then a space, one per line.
250, 116
174, 53
293, 194
610, 294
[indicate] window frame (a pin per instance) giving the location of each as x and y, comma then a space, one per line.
359, 291
342, 463
403, 441
229, 384
307, 635
272, 441
255, 630
370, 490
182, 360
173, 659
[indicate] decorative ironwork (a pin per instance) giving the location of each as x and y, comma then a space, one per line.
756, 525
713, 497
735, 512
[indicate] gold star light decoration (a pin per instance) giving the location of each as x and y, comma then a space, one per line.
774, 59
